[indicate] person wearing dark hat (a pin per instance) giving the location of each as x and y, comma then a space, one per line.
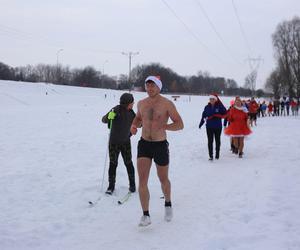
213, 113
119, 120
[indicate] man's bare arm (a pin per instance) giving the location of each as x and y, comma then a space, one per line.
175, 117
137, 121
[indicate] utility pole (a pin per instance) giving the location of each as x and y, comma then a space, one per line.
102, 73
130, 54
57, 65
254, 64
57, 54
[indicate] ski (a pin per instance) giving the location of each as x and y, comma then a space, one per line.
94, 203
121, 201
124, 198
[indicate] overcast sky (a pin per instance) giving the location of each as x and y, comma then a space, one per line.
187, 36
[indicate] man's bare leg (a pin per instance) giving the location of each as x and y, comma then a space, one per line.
162, 172
143, 167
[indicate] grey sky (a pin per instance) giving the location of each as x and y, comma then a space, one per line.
91, 32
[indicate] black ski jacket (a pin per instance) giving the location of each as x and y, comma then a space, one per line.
120, 131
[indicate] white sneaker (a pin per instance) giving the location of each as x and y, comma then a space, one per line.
145, 221
168, 213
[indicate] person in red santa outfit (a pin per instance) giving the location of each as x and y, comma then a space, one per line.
253, 111
238, 127
270, 109
293, 105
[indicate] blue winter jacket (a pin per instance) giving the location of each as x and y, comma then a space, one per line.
211, 110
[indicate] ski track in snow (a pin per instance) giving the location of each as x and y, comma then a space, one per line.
52, 151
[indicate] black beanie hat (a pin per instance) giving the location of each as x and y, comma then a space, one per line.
126, 99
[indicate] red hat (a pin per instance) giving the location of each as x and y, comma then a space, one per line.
214, 96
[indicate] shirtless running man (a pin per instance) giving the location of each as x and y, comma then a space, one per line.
152, 115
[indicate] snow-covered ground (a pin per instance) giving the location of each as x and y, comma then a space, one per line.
52, 155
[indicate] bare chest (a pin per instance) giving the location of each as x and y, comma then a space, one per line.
154, 112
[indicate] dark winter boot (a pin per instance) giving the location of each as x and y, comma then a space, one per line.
110, 189
217, 155
132, 187
111, 186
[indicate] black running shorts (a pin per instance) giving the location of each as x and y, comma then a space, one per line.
156, 150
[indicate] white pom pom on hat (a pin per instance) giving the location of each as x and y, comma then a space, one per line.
154, 79
212, 96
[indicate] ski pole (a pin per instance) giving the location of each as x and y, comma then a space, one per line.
93, 203
110, 117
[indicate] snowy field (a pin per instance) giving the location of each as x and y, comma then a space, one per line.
52, 151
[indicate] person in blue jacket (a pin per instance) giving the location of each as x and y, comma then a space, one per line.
213, 113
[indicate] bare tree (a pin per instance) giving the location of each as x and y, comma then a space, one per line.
286, 42
250, 81
274, 83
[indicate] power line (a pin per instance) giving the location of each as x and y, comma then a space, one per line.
36, 38
216, 31
254, 64
190, 30
21, 35
241, 27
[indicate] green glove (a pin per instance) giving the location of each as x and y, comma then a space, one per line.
111, 115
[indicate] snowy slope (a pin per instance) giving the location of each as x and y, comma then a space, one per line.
52, 151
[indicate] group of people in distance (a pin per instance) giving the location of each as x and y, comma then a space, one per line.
153, 114
240, 117
276, 107
282, 107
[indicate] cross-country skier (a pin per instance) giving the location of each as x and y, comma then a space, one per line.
153, 112
213, 113
120, 119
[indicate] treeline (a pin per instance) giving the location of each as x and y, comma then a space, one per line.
202, 83
285, 78
58, 74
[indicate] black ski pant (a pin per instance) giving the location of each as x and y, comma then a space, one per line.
282, 111
214, 133
288, 110
114, 151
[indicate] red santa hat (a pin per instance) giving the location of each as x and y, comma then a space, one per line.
155, 79
216, 97
213, 96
